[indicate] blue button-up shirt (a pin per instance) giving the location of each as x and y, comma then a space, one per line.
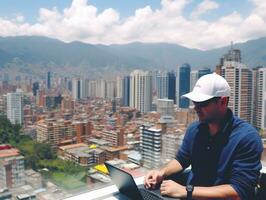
232, 156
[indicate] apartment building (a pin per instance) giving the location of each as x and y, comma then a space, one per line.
12, 171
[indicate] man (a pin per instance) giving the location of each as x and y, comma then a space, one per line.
223, 151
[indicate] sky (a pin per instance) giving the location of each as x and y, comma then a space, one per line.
202, 24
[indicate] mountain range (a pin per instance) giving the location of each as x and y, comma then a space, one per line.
28, 53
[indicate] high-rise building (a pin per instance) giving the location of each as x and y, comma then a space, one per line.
101, 88
259, 98
12, 171
161, 81
15, 107
119, 87
110, 89
150, 144
171, 86
48, 80
3, 104
194, 76
79, 88
141, 90
76, 89
92, 89
83, 88
239, 78
203, 71
182, 85
35, 88
232, 55
126, 91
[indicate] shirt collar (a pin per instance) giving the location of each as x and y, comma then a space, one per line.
226, 124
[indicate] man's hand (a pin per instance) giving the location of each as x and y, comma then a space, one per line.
173, 189
152, 179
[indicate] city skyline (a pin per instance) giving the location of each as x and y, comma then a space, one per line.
132, 121
70, 100
178, 21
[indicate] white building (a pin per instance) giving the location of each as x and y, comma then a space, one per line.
101, 88
15, 107
194, 76
119, 87
110, 89
150, 144
76, 89
141, 90
259, 98
92, 89
161, 81
83, 88
239, 78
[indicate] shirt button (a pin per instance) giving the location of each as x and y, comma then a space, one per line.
208, 148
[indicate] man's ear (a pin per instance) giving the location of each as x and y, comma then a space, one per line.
224, 101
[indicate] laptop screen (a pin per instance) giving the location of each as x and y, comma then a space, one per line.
124, 182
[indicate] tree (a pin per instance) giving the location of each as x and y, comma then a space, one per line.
44, 151
5, 129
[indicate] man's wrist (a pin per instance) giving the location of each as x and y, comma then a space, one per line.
162, 173
189, 189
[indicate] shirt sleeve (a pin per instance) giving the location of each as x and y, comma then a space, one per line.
183, 155
246, 166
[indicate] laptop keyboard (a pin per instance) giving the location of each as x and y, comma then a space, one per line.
149, 195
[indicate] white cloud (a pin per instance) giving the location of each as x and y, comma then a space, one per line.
20, 18
203, 7
83, 22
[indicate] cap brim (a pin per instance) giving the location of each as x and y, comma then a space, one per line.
197, 97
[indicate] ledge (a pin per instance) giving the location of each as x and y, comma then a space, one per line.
108, 191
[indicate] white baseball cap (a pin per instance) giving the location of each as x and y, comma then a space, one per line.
207, 87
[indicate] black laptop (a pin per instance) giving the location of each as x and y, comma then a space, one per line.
128, 188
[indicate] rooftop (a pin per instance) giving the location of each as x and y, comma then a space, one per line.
8, 151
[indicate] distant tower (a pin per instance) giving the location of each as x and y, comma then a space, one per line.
49, 80
92, 89
15, 107
119, 87
83, 88
239, 78
259, 98
126, 90
76, 89
114, 101
232, 55
194, 76
141, 90
203, 71
182, 85
35, 88
101, 88
161, 81
171, 86
110, 87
